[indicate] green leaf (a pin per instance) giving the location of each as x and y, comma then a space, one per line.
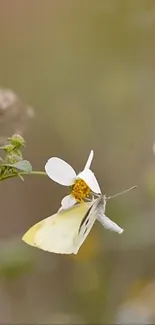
23, 165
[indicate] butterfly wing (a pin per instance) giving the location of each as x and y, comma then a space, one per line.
108, 223
89, 219
59, 233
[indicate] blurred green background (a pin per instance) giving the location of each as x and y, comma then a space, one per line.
88, 70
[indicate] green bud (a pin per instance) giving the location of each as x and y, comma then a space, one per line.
17, 140
11, 159
8, 147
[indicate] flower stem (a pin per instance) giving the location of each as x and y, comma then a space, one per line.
37, 172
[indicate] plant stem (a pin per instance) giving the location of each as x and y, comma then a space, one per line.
23, 173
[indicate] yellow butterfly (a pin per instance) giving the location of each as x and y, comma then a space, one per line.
65, 231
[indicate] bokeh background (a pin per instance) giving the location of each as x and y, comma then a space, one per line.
87, 68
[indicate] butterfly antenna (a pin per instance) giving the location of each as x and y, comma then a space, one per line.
120, 193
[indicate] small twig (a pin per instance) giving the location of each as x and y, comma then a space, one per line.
23, 173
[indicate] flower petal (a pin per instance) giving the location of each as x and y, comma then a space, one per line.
109, 224
89, 178
67, 202
60, 171
89, 160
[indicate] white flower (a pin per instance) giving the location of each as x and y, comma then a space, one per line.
81, 184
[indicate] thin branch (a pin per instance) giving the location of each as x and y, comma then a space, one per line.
23, 173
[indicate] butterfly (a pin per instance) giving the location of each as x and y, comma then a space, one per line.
65, 231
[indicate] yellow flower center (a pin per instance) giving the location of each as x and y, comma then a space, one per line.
80, 190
